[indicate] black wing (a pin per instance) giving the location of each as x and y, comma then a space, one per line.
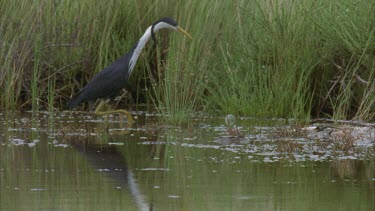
107, 83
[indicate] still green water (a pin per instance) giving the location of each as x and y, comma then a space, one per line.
81, 162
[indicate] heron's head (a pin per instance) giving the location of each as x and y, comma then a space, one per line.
167, 23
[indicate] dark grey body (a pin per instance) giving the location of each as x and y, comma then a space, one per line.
106, 84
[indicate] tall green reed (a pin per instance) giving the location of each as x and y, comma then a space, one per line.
347, 45
265, 71
286, 56
180, 90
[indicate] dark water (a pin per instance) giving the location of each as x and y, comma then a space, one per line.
81, 162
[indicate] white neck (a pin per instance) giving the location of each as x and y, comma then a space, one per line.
142, 42
138, 49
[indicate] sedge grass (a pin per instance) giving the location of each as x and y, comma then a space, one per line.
267, 73
260, 58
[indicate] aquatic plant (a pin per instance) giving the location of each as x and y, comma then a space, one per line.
343, 139
288, 146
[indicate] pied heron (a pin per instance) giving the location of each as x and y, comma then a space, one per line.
109, 81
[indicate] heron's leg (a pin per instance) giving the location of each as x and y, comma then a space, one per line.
101, 103
97, 111
121, 111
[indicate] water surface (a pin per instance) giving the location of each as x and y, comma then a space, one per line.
77, 161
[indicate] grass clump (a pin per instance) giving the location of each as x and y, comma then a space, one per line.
284, 62
266, 71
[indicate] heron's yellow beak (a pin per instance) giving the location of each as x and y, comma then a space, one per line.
184, 32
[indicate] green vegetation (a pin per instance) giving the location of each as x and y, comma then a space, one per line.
280, 58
